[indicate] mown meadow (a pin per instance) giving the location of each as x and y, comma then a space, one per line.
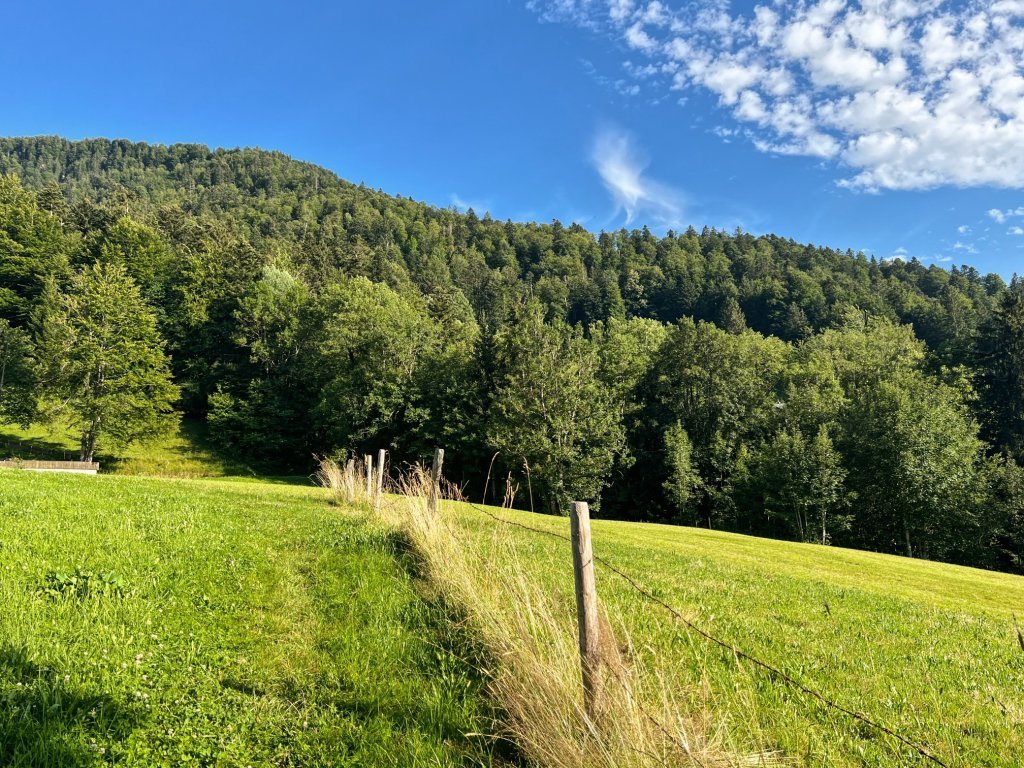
927, 649
150, 622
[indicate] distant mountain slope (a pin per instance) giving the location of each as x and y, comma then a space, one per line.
327, 225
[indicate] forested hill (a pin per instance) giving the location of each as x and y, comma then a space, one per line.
324, 226
750, 383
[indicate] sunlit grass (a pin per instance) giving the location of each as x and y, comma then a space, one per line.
184, 452
925, 648
254, 625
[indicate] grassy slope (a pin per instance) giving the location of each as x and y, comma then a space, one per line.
926, 648
260, 627
183, 453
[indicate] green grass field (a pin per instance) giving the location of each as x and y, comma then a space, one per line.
238, 621
927, 649
215, 623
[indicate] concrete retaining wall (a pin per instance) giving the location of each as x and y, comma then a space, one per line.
75, 467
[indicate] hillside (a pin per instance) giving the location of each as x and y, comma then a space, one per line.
727, 381
926, 649
186, 623
327, 225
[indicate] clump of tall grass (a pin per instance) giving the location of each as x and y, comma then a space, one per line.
346, 481
534, 675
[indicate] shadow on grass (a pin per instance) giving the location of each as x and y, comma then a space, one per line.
189, 453
45, 722
16, 446
460, 652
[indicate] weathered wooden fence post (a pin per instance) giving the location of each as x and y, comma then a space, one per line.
435, 480
381, 454
368, 464
350, 480
586, 607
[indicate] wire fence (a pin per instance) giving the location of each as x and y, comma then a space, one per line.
767, 667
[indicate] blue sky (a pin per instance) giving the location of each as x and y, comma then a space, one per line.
891, 126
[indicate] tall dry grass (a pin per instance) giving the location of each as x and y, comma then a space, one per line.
534, 675
345, 479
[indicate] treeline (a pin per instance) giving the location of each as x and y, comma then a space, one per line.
725, 380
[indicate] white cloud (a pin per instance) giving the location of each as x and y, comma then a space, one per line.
1015, 231
902, 94
637, 38
963, 229
999, 216
620, 10
621, 168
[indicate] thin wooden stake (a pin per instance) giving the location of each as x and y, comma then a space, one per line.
350, 480
586, 607
435, 480
368, 464
380, 477
529, 482
487, 482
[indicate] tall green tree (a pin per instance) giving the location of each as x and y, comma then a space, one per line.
264, 411
683, 483
913, 455
101, 360
724, 388
18, 383
999, 355
801, 481
551, 410
33, 247
370, 344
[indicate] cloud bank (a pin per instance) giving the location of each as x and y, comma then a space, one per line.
903, 94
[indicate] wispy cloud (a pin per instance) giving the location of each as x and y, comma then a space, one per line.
622, 169
478, 206
904, 94
623, 86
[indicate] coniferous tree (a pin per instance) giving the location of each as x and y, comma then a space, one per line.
1000, 359
18, 383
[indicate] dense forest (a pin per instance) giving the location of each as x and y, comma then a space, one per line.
709, 378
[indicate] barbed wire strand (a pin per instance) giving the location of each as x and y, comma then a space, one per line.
769, 668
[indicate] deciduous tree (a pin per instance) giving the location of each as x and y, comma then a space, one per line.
101, 360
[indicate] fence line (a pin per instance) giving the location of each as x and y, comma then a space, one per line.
769, 668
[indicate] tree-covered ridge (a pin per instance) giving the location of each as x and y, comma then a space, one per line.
716, 379
326, 226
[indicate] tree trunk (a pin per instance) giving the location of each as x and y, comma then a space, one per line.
88, 446
906, 536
